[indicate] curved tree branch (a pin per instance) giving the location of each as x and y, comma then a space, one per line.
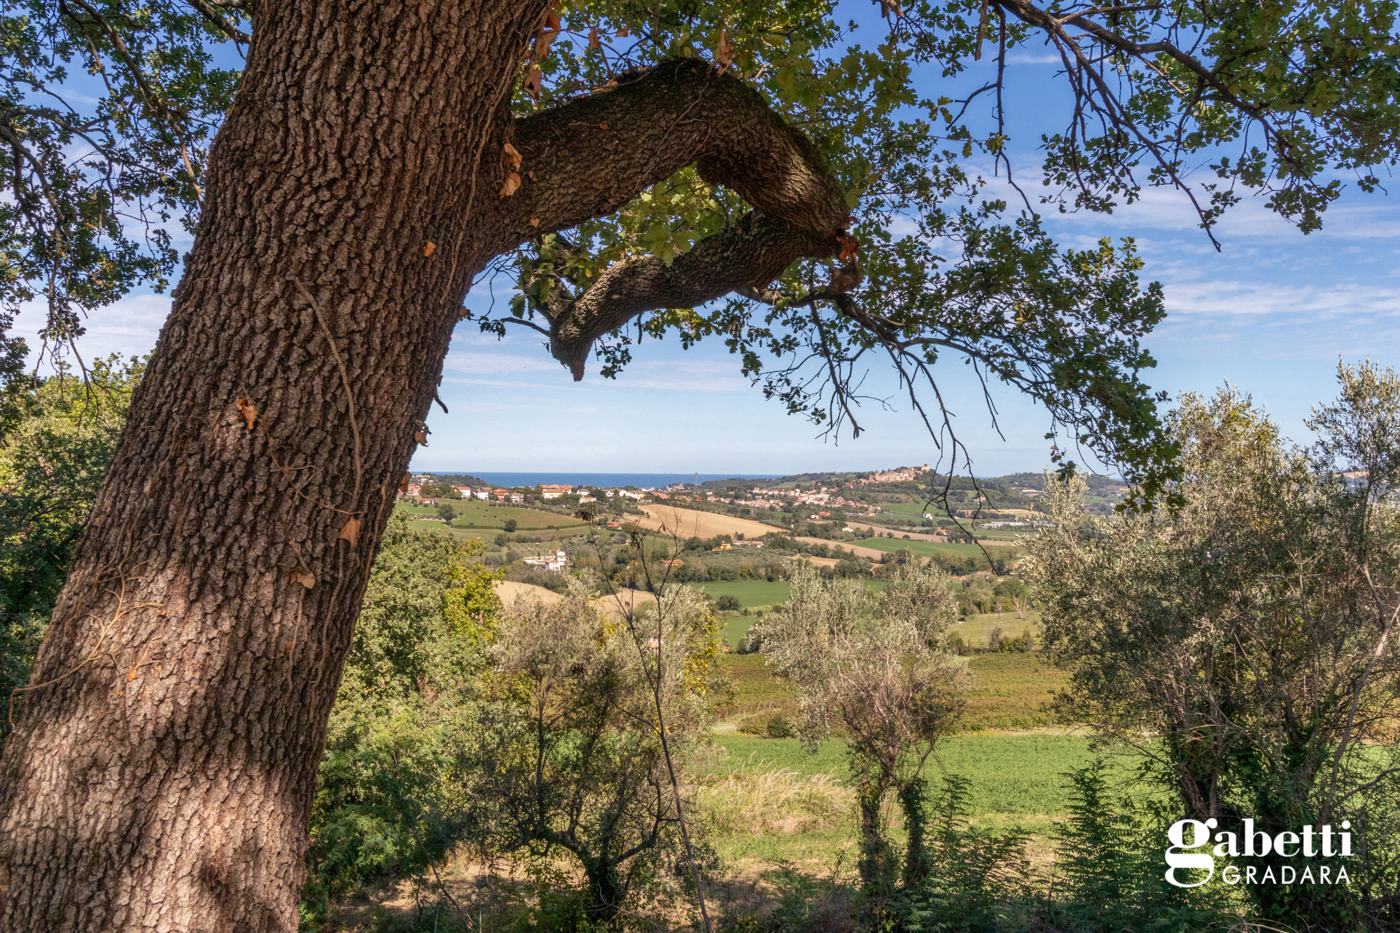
748, 255
589, 157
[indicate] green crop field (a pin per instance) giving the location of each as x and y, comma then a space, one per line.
1009, 691
484, 515
750, 593
922, 548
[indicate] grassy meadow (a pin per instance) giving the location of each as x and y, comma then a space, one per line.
768, 801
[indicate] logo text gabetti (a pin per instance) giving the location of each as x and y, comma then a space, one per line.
1188, 835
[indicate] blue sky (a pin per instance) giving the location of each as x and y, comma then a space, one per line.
1272, 313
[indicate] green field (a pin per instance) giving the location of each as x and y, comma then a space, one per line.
474, 514
914, 510
976, 629
1009, 692
750, 593
922, 548
769, 801
1012, 775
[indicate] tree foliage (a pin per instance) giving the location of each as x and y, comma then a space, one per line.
1220, 102
877, 671
52, 459
1244, 645
406, 715
584, 746
106, 115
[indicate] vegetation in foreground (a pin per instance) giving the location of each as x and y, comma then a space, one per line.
1034, 832
449, 698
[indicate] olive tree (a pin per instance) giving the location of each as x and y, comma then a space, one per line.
583, 752
1244, 644
877, 672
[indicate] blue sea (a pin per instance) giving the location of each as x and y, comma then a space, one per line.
639, 480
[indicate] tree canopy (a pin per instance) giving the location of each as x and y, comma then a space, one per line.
107, 112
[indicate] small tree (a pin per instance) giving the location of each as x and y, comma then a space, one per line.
586, 738
404, 714
446, 512
877, 670
510, 525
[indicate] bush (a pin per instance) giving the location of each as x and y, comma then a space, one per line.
1110, 859
959, 879
1019, 645
511, 524
728, 603
779, 727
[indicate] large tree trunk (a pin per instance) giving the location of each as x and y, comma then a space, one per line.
162, 768
161, 771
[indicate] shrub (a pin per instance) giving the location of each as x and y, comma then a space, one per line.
1109, 858
728, 603
1019, 645
961, 879
778, 727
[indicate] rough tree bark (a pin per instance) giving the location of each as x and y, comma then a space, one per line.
161, 771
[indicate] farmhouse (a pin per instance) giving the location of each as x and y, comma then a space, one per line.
555, 561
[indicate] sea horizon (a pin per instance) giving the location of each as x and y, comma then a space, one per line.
639, 480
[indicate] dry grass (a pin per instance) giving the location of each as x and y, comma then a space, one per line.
774, 802
614, 604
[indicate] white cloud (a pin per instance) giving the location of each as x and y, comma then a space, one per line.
128, 327
1239, 299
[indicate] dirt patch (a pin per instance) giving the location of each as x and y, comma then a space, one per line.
855, 549
819, 561
625, 601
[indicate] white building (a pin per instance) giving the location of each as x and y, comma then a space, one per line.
555, 561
